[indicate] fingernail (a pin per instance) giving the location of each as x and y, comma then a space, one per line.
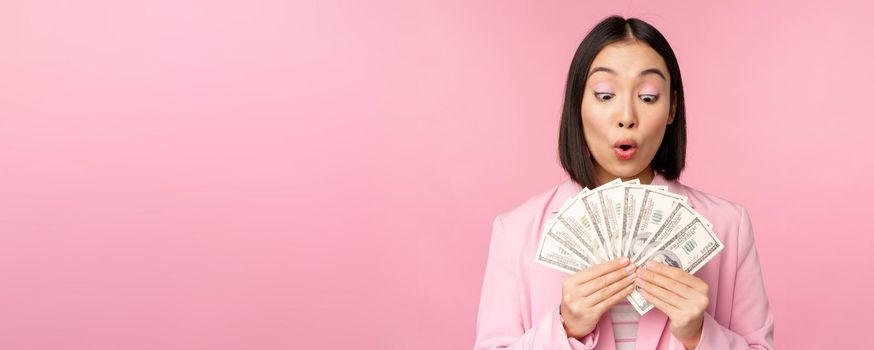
629, 268
623, 261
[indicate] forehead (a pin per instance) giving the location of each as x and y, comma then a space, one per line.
628, 59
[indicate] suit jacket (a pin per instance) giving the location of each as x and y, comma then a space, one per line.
519, 304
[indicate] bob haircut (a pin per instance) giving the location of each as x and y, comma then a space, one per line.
576, 159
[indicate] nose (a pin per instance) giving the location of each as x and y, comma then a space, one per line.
627, 115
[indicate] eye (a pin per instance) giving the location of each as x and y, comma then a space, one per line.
604, 96
649, 98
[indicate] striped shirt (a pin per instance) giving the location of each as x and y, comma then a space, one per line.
625, 320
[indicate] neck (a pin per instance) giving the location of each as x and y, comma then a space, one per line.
646, 176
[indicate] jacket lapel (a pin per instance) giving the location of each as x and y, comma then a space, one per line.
650, 328
566, 190
606, 338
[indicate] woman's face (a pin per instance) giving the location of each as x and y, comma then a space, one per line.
626, 108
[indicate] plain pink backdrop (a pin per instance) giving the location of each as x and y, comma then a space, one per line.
274, 175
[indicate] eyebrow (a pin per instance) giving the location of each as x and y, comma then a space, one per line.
645, 72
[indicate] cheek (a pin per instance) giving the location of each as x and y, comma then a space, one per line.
595, 131
653, 125
654, 135
595, 124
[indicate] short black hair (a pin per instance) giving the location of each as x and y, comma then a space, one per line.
576, 159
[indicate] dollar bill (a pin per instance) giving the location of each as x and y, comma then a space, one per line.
639, 221
553, 254
631, 206
655, 207
611, 202
578, 221
592, 204
679, 217
561, 234
689, 249
570, 219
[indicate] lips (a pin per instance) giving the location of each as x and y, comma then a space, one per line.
625, 148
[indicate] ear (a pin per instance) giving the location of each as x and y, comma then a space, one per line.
673, 108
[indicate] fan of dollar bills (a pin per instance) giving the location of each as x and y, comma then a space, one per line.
641, 222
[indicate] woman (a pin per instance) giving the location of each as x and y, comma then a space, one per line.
623, 117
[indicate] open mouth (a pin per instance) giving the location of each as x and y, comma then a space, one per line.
625, 149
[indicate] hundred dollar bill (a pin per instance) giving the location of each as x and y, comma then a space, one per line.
679, 217
632, 204
592, 204
561, 234
690, 249
575, 217
577, 222
611, 202
569, 221
553, 254
655, 207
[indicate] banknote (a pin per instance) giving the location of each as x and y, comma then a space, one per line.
640, 221
611, 200
554, 254
577, 219
689, 249
679, 217
655, 207
631, 205
592, 205
561, 234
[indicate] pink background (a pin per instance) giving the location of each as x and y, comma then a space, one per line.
274, 175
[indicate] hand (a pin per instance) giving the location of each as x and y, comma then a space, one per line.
680, 295
587, 294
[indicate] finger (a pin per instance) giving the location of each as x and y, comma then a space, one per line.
615, 298
663, 294
605, 280
608, 291
667, 282
595, 271
660, 304
679, 275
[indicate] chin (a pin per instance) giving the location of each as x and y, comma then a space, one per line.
625, 169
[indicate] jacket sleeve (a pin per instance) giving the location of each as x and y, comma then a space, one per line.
752, 323
500, 323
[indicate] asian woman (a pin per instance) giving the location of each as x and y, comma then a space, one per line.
623, 117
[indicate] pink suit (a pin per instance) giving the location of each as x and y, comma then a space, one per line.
520, 298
